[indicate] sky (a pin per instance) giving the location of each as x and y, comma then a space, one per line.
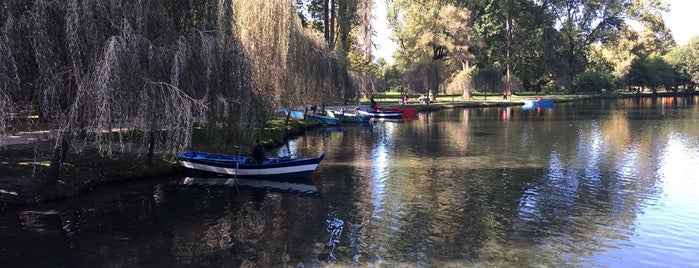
384, 46
683, 21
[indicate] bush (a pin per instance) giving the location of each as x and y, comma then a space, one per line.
592, 82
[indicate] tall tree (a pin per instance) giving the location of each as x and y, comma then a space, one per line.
436, 30
334, 18
685, 59
583, 23
652, 72
518, 36
360, 41
654, 35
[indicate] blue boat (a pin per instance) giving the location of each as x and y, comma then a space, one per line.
528, 104
314, 117
238, 166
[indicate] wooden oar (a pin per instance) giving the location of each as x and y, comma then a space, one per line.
235, 177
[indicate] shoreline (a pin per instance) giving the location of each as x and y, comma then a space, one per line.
25, 148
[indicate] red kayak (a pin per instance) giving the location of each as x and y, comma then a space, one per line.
407, 111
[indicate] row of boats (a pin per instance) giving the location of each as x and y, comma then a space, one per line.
226, 165
287, 167
357, 115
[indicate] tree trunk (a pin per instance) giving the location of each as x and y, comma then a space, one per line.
571, 65
508, 42
326, 21
332, 24
151, 148
59, 156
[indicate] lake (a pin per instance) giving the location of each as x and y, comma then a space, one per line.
604, 183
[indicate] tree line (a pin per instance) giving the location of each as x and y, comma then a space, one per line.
571, 46
146, 71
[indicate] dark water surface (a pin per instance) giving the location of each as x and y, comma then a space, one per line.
598, 183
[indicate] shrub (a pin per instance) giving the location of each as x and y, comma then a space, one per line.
592, 82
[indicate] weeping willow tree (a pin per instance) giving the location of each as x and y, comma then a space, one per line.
116, 73
293, 65
5, 111
9, 80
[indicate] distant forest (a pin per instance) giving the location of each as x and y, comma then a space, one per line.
149, 71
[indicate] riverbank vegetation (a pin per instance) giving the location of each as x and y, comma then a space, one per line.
105, 77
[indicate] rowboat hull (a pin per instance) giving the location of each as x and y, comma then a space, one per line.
350, 117
231, 165
538, 103
315, 117
354, 118
380, 113
407, 112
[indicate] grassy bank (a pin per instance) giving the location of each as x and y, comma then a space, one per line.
23, 166
496, 100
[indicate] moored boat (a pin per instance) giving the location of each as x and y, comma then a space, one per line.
408, 112
380, 113
234, 165
328, 120
348, 117
538, 103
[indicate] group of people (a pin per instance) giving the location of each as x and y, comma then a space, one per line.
424, 99
404, 100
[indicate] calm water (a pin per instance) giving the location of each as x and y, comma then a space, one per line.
598, 183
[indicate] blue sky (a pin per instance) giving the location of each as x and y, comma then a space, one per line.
682, 21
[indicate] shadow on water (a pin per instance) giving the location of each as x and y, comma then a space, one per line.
178, 222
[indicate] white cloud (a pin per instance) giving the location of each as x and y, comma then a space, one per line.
682, 20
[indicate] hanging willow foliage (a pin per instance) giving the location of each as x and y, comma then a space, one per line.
290, 62
116, 73
5, 112
9, 79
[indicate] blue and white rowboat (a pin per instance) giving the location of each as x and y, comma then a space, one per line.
380, 113
233, 165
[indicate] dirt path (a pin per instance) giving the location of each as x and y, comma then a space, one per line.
25, 137
18, 188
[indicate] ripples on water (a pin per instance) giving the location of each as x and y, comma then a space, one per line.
587, 205
666, 229
585, 185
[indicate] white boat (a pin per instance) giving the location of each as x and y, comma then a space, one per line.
238, 166
380, 113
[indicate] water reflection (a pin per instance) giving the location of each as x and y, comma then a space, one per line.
301, 186
600, 183
552, 191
